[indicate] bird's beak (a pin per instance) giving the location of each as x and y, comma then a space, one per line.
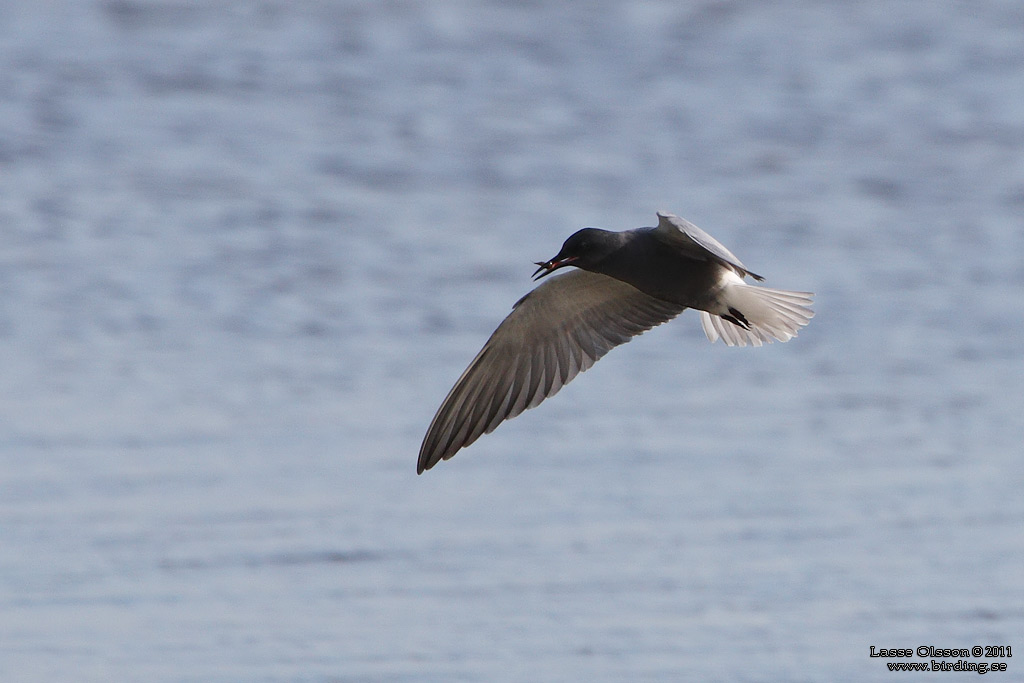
545, 269
548, 267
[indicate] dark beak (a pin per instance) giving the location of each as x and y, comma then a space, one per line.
548, 267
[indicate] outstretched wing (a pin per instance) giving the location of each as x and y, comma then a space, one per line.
554, 333
684, 235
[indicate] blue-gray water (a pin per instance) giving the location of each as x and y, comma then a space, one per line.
246, 248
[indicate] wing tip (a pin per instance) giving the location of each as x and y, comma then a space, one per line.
427, 459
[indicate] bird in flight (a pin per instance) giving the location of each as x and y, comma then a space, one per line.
623, 284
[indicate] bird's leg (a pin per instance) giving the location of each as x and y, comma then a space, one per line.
737, 318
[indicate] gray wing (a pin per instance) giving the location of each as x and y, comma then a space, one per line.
684, 235
554, 333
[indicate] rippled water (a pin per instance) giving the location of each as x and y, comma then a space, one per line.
245, 249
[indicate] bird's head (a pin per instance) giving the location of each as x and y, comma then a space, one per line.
584, 249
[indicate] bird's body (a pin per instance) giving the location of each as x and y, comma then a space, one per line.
642, 246
627, 282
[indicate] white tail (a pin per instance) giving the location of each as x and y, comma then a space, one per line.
749, 314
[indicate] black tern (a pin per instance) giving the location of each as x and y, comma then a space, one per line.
625, 284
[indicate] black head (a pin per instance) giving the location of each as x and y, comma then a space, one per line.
584, 249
